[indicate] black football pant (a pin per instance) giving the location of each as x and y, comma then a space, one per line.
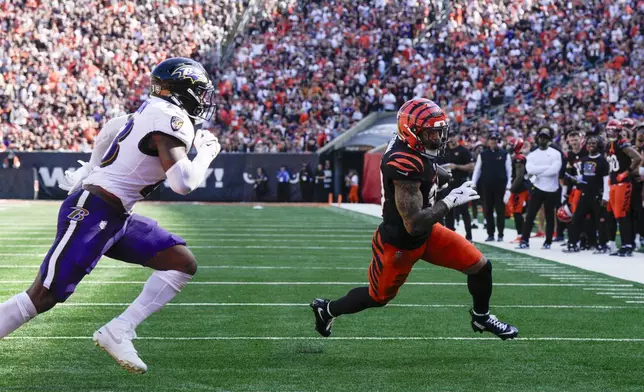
493, 201
537, 199
588, 204
561, 226
464, 212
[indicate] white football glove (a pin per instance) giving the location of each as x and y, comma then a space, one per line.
506, 196
461, 195
207, 143
74, 178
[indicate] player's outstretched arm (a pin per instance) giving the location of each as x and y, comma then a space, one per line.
184, 175
418, 220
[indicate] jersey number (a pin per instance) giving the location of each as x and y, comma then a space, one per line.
113, 151
613, 163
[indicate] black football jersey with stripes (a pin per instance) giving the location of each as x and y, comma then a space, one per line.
402, 163
618, 161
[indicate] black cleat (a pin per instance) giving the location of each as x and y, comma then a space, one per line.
490, 323
546, 246
572, 248
522, 245
323, 320
600, 250
624, 251
489, 238
499, 238
558, 239
475, 226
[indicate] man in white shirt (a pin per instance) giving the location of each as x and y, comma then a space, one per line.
543, 165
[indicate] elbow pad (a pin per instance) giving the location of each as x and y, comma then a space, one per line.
185, 176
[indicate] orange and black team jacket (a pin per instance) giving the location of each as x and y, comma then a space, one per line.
402, 163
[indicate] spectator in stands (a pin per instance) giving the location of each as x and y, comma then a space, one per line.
11, 161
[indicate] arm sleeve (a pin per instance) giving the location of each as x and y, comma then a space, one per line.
105, 137
185, 176
605, 193
477, 170
554, 167
508, 171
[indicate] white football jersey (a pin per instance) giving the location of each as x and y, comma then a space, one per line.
129, 170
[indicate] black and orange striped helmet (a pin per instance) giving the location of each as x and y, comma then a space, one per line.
423, 125
613, 129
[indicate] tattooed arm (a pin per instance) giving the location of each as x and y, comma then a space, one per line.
409, 202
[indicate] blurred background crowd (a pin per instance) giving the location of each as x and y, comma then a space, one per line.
304, 72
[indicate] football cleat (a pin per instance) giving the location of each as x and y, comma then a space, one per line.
323, 320
522, 245
600, 250
624, 251
546, 245
499, 238
572, 248
115, 338
489, 322
558, 239
489, 238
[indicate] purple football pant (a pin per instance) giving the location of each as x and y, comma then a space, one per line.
89, 228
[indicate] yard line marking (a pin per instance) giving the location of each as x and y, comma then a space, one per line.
242, 283
628, 296
342, 338
635, 302
252, 304
611, 289
566, 275
203, 240
366, 237
228, 247
618, 292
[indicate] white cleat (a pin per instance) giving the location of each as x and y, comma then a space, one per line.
115, 338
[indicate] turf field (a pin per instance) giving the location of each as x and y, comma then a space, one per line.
245, 325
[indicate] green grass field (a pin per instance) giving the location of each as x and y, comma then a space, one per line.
244, 323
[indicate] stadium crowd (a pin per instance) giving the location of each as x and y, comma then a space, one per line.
303, 72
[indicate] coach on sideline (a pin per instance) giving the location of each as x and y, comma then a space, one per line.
543, 165
494, 169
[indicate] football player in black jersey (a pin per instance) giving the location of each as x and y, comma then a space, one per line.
592, 183
624, 163
410, 232
571, 193
519, 195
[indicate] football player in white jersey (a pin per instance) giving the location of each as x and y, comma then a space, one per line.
132, 155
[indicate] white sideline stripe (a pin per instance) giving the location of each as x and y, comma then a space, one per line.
250, 304
610, 289
346, 283
635, 302
203, 234
628, 296
342, 338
